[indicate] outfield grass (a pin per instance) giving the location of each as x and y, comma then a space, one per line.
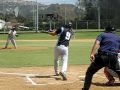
37, 36
78, 54
78, 51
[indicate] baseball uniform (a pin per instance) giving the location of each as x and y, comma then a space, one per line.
11, 34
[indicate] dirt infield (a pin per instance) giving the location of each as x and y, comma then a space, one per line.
42, 78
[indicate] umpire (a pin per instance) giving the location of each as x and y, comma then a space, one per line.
107, 45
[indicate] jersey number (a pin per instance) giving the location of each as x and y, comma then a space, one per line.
68, 34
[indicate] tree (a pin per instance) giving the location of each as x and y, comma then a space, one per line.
80, 10
109, 9
86, 9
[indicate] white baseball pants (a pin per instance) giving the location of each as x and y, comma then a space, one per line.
60, 51
9, 39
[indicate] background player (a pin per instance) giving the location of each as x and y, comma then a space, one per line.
11, 35
61, 49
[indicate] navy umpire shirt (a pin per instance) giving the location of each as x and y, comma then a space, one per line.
109, 42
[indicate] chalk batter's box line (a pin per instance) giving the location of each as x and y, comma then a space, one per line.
29, 78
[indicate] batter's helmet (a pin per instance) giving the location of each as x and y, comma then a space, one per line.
69, 25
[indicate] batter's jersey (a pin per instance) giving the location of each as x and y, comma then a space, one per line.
64, 36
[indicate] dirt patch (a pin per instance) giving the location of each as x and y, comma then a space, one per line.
42, 78
23, 48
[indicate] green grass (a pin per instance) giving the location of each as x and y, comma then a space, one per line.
34, 36
37, 36
78, 54
86, 35
78, 51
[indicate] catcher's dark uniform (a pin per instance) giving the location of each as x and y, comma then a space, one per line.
106, 56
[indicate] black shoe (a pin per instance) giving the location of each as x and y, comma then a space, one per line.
56, 74
84, 89
63, 76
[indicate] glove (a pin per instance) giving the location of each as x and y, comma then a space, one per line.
45, 32
16, 35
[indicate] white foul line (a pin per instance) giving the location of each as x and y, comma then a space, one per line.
19, 74
82, 76
30, 80
23, 75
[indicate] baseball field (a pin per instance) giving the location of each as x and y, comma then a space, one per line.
30, 66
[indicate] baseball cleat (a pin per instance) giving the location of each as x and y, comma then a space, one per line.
63, 76
56, 74
109, 84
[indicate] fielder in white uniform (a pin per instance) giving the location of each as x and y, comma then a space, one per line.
61, 49
11, 35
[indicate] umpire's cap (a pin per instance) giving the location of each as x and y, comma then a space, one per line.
109, 28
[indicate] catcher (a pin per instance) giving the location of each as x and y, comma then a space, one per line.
11, 35
110, 74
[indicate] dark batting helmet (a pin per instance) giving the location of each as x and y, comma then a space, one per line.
69, 25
